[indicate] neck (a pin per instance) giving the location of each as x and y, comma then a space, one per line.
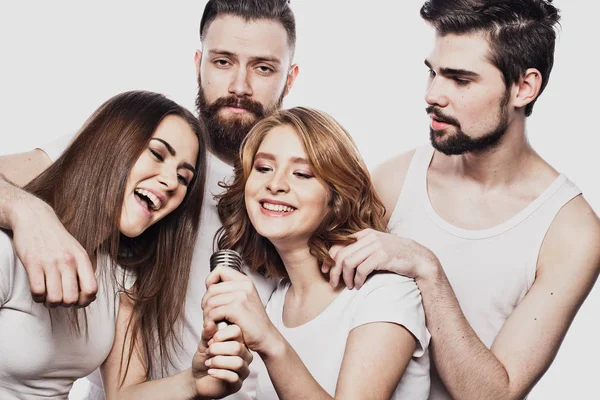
499, 165
303, 270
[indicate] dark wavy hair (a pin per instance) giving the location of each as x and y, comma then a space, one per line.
521, 33
252, 10
85, 186
334, 159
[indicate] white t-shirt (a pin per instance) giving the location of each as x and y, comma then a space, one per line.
321, 342
209, 223
40, 356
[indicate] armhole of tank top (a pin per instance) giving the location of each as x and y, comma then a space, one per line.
411, 186
567, 192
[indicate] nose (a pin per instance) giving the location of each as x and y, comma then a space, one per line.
278, 183
240, 86
435, 94
168, 178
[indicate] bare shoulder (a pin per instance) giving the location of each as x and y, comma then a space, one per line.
572, 244
388, 179
21, 168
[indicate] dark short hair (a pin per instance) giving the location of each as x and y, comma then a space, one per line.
252, 10
521, 33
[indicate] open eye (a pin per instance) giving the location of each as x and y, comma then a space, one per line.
265, 69
221, 63
461, 82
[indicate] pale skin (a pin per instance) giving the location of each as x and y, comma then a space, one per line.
238, 58
479, 191
217, 369
282, 174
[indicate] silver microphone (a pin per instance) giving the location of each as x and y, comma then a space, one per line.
226, 258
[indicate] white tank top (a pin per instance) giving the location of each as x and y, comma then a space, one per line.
490, 270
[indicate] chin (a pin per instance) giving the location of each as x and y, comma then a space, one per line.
131, 232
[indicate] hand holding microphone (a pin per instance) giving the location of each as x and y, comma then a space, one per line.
225, 258
232, 298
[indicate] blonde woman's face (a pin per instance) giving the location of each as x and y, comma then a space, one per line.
284, 200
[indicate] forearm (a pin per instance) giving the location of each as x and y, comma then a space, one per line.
9, 196
175, 387
467, 367
289, 375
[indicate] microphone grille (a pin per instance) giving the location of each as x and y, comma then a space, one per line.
228, 258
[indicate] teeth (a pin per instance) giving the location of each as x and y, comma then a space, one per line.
151, 196
277, 207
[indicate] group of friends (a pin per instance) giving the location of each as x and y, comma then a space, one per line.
451, 271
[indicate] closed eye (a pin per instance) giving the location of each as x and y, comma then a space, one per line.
262, 169
303, 175
183, 180
157, 155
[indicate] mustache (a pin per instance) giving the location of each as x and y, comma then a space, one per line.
440, 116
239, 102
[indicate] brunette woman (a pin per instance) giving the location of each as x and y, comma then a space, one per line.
129, 189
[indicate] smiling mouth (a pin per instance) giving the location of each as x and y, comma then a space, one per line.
147, 198
280, 208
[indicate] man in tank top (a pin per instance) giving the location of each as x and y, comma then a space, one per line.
511, 247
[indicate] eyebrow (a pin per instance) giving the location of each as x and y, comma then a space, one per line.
226, 53
172, 152
454, 71
271, 157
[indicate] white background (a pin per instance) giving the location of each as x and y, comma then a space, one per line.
360, 61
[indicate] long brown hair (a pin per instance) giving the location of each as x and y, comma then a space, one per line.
85, 186
333, 158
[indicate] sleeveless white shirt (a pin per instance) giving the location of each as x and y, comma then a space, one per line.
490, 270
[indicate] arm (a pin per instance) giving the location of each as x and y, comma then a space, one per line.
568, 266
21, 168
236, 300
367, 372
227, 357
59, 270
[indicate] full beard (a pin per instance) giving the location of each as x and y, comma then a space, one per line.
461, 143
226, 134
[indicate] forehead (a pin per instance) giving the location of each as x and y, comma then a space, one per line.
282, 141
256, 38
465, 51
177, 132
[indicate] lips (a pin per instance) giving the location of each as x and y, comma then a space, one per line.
275, 207
438, 125
151, 198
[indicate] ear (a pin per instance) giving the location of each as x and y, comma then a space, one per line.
291, 78
197, 60
528, 87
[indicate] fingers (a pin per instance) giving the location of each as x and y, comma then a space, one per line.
230, 355
88, 286
231, 332
348, 258
365, 269
70, 286
226, 376
37, 283
53, 287
237, 287
224, 274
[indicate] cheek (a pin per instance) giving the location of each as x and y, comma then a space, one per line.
268, 90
